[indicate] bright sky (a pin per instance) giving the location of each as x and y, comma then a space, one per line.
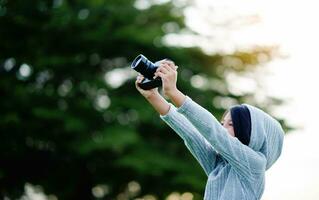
294, 26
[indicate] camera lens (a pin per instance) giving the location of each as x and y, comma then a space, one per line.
142, 65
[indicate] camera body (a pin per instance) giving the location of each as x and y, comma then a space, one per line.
147, 68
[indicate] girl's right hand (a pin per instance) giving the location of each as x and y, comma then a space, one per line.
145, 93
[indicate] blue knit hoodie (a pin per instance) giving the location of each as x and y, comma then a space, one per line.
235, 171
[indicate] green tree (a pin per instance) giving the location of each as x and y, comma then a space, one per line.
67, 121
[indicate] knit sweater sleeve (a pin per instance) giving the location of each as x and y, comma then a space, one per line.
194, 141
244, 159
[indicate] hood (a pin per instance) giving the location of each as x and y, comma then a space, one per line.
266, 136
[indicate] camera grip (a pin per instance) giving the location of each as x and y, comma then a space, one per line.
148, 84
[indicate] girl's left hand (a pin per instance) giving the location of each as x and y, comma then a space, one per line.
167, 70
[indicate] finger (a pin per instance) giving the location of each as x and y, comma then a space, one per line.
158, 63
169, 61
136, 82
138, 78
155, 75
171, 64
162, 69
168, 68
161, 74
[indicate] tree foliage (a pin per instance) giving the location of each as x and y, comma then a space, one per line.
71, 118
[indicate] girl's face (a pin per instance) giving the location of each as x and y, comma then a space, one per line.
228, 124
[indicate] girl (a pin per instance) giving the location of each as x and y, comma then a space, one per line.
235, 153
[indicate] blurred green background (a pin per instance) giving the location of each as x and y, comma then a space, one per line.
72, 124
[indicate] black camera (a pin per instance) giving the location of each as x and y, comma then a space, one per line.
147, 68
